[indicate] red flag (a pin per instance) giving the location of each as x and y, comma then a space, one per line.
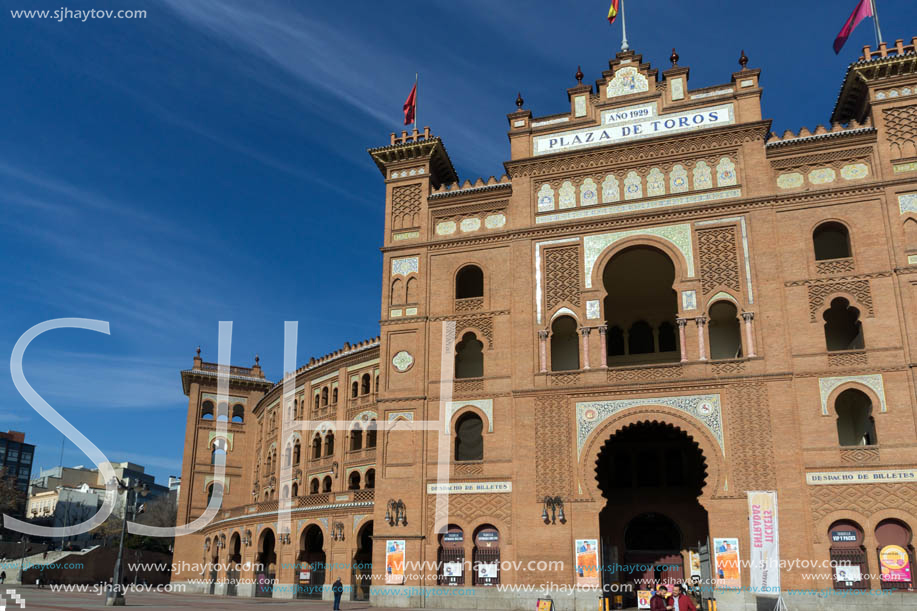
410, 106
861, 12
613, 11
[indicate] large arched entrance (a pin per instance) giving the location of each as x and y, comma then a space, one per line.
651, 475
310, 566
266, 569
363, 563
640, 307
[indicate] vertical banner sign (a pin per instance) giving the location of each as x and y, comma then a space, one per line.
726, 563
894, 563
394, 562
765, 542
587, 562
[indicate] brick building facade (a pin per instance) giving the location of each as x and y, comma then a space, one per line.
660, 307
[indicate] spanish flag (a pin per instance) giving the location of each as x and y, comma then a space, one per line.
613, 11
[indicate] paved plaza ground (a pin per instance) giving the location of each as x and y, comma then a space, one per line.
46, 599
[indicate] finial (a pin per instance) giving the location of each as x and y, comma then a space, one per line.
198, 351
519, 101
257, 359
674, 58
579, 75
743, 60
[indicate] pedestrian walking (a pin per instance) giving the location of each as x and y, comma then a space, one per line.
659, 602
337, 589
2, 577
681, 601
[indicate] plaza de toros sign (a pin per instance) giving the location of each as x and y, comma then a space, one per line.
634, 123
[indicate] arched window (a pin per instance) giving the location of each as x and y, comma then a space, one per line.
668, 337
371, 434
848, 556
213, 488
324, 396
369, 481
317, 399
334, 395
329, 444
268, 464
288, 456
451, 557
469, 441
640, 338
855, 425
354, 389
218, 454
286, 492
615, 339
831, 241
896, 554
410, 291
377, 383
356, 438
469, 357
843, 329
297, 454
724, 331
910, 234
238, 413
365, 383
469, 282
564, 344
326, 484
294, 489
313, 486
207, 411
316, 447
485, 556
397, 292
353, 482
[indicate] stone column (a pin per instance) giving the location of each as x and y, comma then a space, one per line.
603, 330
749, 333
700, 321
543, 350
584, 331
682, 322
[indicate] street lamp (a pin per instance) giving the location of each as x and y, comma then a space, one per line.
395, 513
556, 505
115, 597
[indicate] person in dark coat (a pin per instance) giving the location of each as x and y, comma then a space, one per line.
681, 601
337, 589
659, 602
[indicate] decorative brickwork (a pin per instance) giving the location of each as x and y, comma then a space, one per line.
554, 440
644, 374
469, 304
901, 127
847, 359
834, 266
858, 456
719, 263
471, 507
750, 452
820, 292
564, 379
728, 368
867, 499
467, 386
466, 469
561, 272
406, 207
484, 324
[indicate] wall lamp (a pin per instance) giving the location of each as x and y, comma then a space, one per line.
395, 513
337, 531
247, 539
556, 505
285, 538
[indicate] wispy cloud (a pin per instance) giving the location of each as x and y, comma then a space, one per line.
8, 417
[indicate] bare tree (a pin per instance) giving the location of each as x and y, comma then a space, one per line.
11, 497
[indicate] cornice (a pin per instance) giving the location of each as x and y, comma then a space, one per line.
833, 279
469, 208
810, 158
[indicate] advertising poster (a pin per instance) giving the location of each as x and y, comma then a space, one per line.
643, 598
894, 563
587, 562
487, 570
694, 563
452, 569
394, 562
544, 604
765, 543
847, 574
726, 563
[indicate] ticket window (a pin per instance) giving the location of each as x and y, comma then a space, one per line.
848, 556
486, 557
895, 554
452, 557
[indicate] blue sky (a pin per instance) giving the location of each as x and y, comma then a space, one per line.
209, 163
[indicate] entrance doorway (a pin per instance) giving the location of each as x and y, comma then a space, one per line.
363, 563
310, 566
651, 475
266, 569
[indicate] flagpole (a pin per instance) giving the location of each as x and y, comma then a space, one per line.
623, 29
416, 76
875, 18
